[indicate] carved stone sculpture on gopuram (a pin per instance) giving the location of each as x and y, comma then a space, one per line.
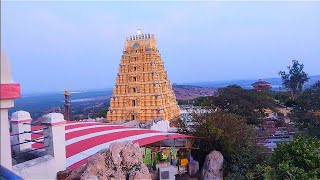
142, 90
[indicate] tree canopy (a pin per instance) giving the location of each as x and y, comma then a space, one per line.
299, 159
232, 136
295, 78
285, 98
249, 104
306, 114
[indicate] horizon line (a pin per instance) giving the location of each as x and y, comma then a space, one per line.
179, 83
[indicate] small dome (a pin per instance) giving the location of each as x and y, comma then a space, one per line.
20, 115
53, 118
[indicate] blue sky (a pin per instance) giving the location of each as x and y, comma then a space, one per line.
77, 45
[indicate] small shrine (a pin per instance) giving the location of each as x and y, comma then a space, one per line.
261, 85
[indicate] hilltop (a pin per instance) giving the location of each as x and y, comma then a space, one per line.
94, 102
275, 82
187, 92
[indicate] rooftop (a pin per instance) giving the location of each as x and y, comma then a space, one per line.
84, 139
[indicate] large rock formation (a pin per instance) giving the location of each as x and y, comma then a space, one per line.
123, 160
212, 167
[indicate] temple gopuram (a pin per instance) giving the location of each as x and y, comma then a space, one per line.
142, 90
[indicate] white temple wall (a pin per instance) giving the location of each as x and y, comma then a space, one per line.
44, 167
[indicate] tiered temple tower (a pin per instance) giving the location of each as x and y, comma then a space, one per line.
142, 91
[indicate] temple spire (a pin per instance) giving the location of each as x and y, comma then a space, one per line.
142, 91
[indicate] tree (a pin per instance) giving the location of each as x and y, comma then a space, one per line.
229, 134
285, 98
249, 104
295, 78
306, 114
299, 159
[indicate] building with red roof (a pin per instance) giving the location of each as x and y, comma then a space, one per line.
261, 85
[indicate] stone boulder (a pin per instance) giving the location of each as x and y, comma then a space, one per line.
212, 167
123, 160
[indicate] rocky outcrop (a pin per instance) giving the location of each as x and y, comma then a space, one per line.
123, 160
212, 167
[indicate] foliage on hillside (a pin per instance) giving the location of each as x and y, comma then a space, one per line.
295, 78
200, 101
249, 104
230, 134
306, 114
284, 98
299, 159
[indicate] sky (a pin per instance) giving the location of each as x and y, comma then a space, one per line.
77, 45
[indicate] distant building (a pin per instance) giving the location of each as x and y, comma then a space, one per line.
142, 91
261, 85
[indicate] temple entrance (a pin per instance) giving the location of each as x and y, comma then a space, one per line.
133, 117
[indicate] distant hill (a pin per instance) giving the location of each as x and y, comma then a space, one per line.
275, 82
91, 102
187, 92
82, 102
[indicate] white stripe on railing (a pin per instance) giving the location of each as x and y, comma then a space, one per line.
94, 134
76, 123
88, 127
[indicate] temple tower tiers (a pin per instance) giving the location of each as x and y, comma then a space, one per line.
142, 91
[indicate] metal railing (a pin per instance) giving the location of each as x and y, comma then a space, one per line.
26, 152
39, 140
